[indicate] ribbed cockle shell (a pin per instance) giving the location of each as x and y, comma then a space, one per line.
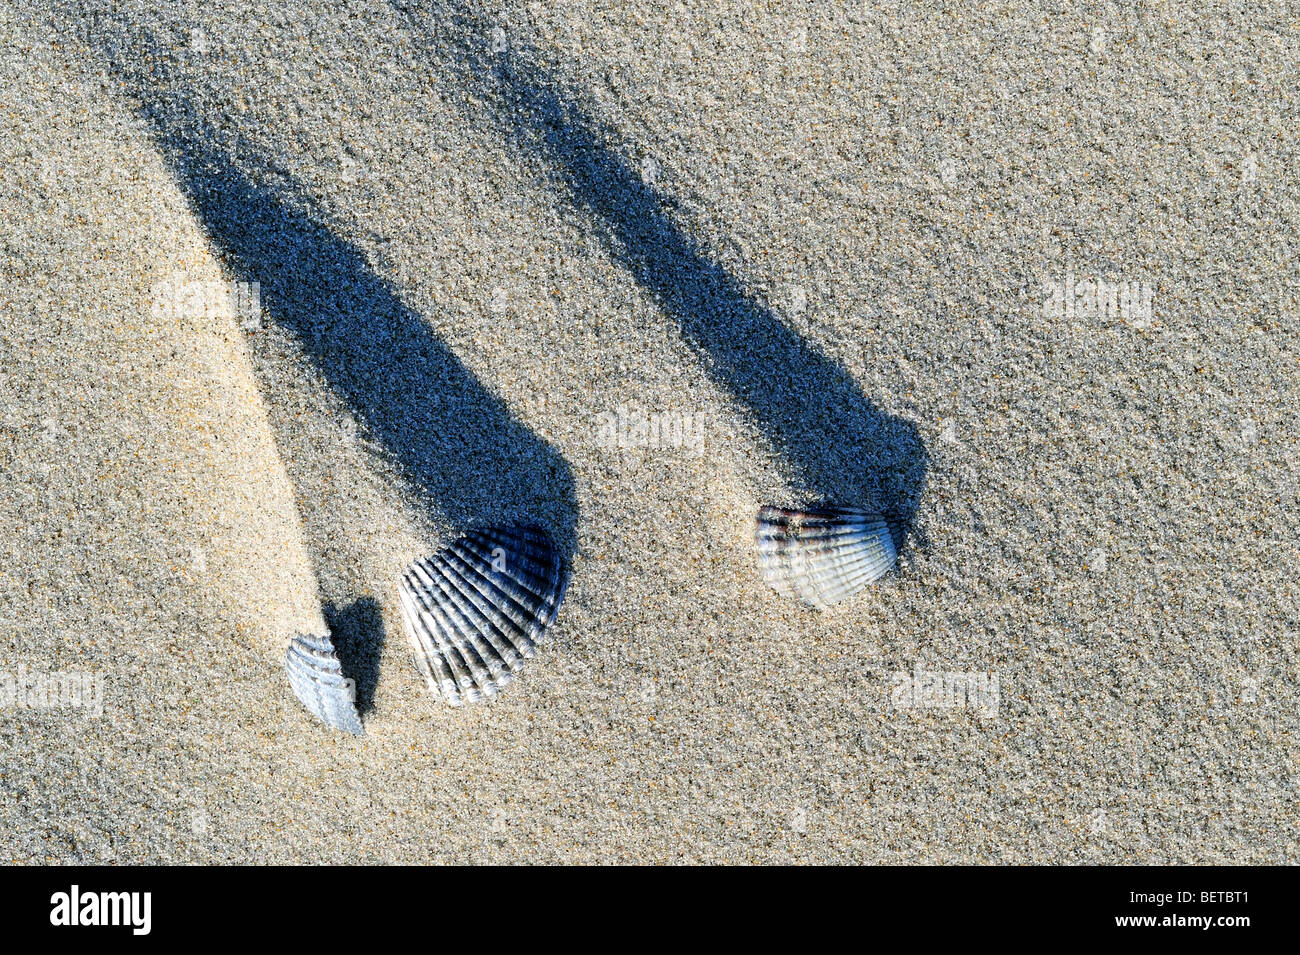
822, 556
317, 679
477, 609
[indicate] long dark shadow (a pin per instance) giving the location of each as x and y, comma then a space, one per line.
455, 442
841, 447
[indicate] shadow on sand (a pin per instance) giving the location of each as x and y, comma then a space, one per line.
841, 448
456, 443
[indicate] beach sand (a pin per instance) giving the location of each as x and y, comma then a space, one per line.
817, 244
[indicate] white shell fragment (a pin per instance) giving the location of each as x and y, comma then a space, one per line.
477, 609
822, 556
317, 680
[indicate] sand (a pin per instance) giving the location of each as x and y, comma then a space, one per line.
818, 240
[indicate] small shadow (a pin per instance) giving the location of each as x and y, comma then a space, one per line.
840, 447
358, 633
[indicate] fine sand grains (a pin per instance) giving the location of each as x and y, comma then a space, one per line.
502, 259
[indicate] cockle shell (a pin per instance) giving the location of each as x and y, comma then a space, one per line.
317, 680
823, 556
477, 609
